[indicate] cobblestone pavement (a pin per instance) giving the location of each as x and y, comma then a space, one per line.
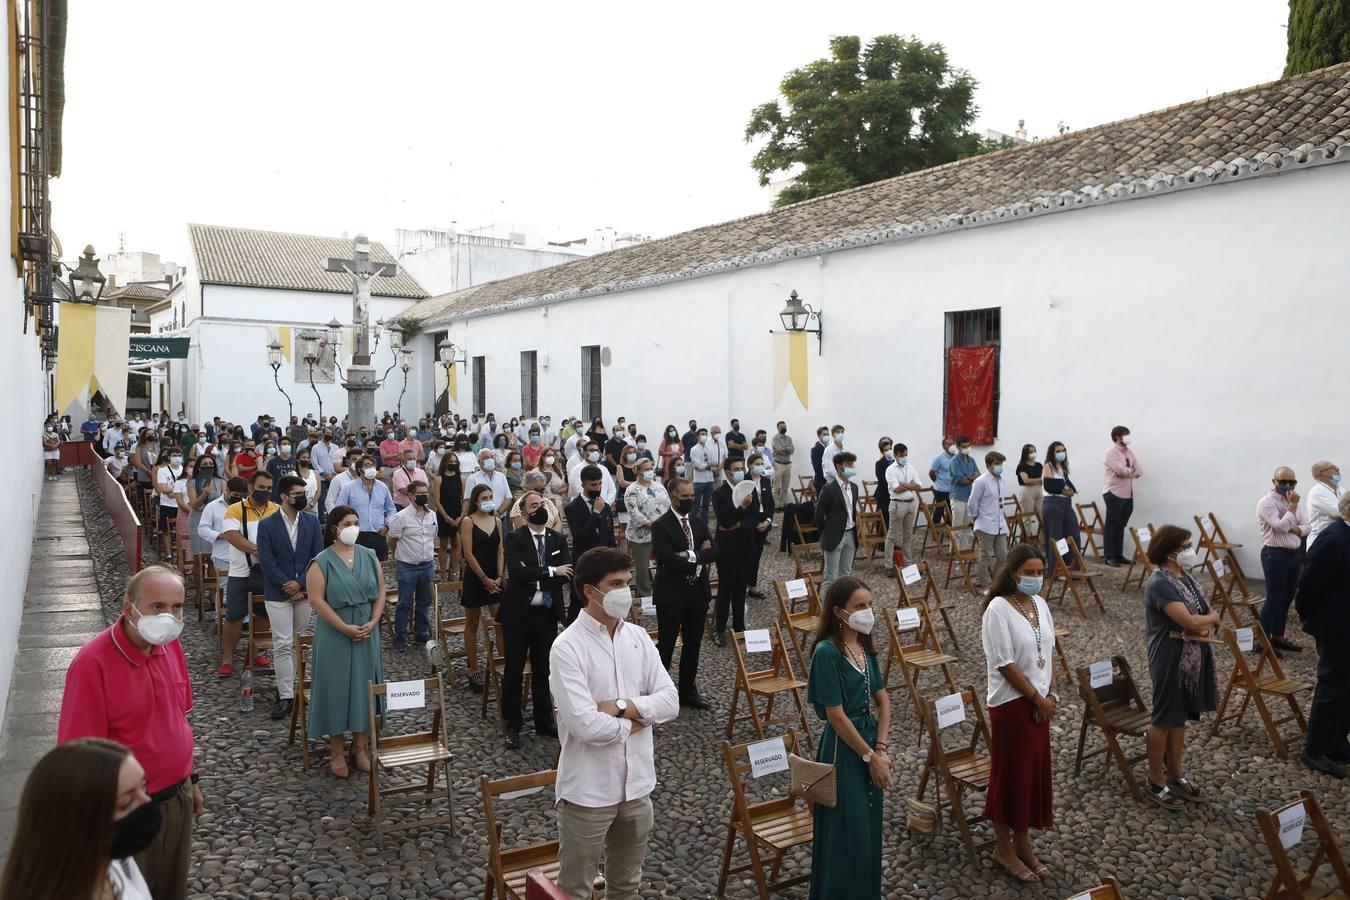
273, 830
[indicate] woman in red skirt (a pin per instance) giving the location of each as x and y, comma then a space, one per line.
1019, 643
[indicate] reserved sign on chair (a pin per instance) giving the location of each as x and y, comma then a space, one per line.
757, 641
405, 694
950, 710
768, 757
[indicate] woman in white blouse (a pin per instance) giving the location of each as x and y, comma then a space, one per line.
1019, 642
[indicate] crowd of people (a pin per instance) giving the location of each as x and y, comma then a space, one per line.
554, 531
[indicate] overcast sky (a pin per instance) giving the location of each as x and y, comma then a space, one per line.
321, 117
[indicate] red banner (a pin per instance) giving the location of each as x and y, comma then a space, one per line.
970, 392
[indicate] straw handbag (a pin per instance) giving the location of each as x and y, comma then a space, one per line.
814, 782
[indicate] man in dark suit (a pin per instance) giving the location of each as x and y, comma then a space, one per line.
284, 564
817, 455
537, 567
689, 438
1323, 603
837, 519
591, 522
683, 553
736, 523
762, 472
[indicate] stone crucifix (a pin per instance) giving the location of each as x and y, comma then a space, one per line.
361, 383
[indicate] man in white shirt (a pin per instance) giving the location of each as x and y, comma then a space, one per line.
985, 509
412, 534
608, 489
902, 486
609, 687
1323, 497
827, 456
341, 480
212, 525
706, 457
487, 474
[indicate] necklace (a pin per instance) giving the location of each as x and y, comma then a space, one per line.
1033, 619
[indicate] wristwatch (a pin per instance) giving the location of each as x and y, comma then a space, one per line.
623, 708
867, 759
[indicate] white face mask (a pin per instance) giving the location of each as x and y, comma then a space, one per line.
1125, 439
862, 620
348, 535
550, 460
617, 602
158, 629
369, 474
1188, 558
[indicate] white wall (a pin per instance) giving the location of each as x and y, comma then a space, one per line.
24, 404
1211, 322
451, 267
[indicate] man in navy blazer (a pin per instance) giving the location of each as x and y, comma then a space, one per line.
287, 544
1323, 603
591, 523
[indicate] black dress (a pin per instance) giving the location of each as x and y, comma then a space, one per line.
452, 501
485, 551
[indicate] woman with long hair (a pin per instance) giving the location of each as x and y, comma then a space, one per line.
1018, 633
480, 541
847, 691
1185, 682
83, 816
447, 499
204, 484
1029, 491
668, 451
346, 591
1058, 520
304, 469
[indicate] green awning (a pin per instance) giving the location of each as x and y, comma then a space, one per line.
159, 348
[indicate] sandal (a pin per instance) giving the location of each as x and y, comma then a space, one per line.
1022, 873
1185, 789
1163, 796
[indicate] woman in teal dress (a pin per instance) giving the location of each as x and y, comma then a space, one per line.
847, 691
346, 590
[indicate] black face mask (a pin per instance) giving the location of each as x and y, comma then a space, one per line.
539, 516
592, 496
299, 503
233, 498
261, 497
421, 499
684, 507
136, 830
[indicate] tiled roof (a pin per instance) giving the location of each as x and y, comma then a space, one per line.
1300, 121
137, 290
276, 259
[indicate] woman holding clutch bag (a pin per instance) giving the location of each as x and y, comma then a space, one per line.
844, 687
1019, 642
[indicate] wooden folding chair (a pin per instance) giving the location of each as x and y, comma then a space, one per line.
959, 771
1215, 544
930, 596
509, 869
809, 560
304, 644
1114, 709
768, 683
1109, 889
259, 634
1012, 515
917, 649
871, 535
806, 488
1283, 829
937, 532
1267, 679
1064, 666
798, 616
1142, 538
1229, 594
769, 827
1091, 524
494, 669
1071, 573
448, 628
1031, 522
961, 552
806, 534
207, 581
429, 748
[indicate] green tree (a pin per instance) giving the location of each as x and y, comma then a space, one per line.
1319, 35
862, 115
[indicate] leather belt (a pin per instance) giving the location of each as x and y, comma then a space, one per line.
168, 793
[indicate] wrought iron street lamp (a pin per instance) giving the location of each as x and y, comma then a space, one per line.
274, 360
797, 316
312, 347
404, 363
86, 281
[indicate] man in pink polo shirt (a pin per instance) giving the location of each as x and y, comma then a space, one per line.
130, 685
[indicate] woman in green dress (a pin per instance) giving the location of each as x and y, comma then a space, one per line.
346, 590
845, 687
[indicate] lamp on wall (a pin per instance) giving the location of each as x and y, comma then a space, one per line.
274, 360
313, 347
449, 354
86, 281
404, 363
797, 316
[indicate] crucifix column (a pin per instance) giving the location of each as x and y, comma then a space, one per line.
361, 382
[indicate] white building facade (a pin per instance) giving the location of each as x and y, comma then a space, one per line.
1204, 307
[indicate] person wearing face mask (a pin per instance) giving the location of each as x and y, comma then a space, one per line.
646, 500
706, 459
204, 486
412, 537
885, 456
668, 451
782, 448
624, 477
1323, 604
736, 443
848, 694
350, 471
985, 509
610, 688
817, 455
757, 473
1121, 469
902, 493
1181, 665
410, 442
1018, 634
51, 450
168, 471
837, 518
82, 781
287, 544
240, 530
119, 467
389, 448
538, 567
536, 481
1029, 480
735, 549
1323, 498
1058, 519
143, 460
555, 478
480, 540
212, 524
282, 464
534, 447
447, 501
689, 438
609, 490
374, 507
327, 459
130, 684
407, 474
304, 470
964, 471
940, 473
346, 590
684, 554
832, 449
1284, 525
614, 449
590, 520
489, 474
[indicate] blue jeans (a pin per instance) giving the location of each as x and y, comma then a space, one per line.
414, 580
703, 491
839, 561
1281, 568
